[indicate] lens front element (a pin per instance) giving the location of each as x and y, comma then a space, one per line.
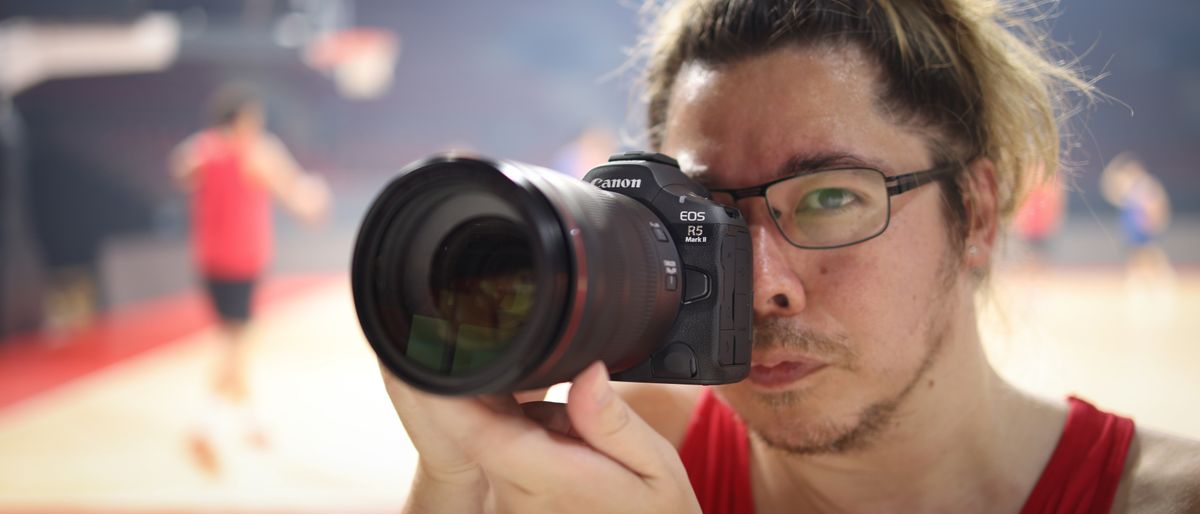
482, 283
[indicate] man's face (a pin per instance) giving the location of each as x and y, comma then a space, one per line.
250, 121
841, 336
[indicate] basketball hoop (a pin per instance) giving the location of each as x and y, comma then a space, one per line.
361, 60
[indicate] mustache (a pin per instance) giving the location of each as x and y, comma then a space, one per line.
778, 334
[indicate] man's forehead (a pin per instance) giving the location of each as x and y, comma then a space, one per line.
694, 78
799, 68
784, 112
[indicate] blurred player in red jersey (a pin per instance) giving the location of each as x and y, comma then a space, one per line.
233, 170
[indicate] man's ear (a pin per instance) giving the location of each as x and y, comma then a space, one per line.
981, 205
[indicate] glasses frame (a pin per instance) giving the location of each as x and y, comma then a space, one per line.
895, 185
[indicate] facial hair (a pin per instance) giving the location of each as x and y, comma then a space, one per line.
875, 418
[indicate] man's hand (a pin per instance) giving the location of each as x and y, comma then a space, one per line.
592, 455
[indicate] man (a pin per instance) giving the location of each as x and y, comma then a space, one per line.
869, 389
233, 170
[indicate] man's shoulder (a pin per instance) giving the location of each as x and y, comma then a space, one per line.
1162, 474
665, 407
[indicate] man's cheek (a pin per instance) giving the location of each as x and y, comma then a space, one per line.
848, 281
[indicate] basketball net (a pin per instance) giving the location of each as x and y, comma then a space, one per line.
361, 60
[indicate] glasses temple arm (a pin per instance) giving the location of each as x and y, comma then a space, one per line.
902, 183
739, 194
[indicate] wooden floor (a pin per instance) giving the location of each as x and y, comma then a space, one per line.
114, 441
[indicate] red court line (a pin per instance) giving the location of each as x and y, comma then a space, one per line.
31, 364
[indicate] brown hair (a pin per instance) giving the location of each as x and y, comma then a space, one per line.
229, 101
976, 73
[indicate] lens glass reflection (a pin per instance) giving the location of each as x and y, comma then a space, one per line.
482, 286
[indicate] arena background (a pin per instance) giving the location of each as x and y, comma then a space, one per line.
105, 340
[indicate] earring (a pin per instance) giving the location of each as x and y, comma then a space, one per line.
972, 250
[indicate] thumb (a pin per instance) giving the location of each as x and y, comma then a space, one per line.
602, 419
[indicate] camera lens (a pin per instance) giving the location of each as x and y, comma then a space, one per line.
473, 276
482, 284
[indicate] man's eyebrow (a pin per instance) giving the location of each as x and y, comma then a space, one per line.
800, 164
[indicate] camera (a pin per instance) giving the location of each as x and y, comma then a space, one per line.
473, 275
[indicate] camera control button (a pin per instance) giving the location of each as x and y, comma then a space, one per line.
695, 285
675, 361
644, 156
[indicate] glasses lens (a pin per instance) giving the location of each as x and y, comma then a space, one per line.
482, 283
830, 208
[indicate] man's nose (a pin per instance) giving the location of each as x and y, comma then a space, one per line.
778, 290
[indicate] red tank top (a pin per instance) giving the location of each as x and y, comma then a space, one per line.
1081, 477
231, 212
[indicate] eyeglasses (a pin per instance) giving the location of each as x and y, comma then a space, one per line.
833, 208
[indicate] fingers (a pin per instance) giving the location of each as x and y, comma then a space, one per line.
397, 390
406, 397
607, 423
516, 441
513, 448
532, 395
551, 416
442, 459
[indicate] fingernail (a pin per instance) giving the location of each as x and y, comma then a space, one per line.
604, 390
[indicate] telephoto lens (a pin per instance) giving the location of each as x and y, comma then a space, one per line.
475, 276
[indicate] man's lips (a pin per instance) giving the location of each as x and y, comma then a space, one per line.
778, 374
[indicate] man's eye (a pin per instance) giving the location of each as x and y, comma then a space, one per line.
827, 199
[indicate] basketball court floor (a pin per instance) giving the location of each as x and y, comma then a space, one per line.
113, 439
